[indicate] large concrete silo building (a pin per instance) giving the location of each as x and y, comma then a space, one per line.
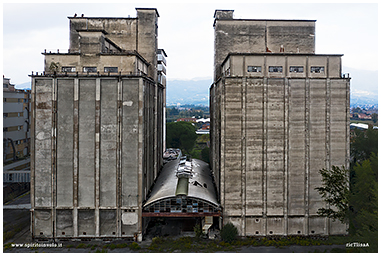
97, 129
279, 114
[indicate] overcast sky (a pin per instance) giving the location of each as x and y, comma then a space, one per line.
185, 31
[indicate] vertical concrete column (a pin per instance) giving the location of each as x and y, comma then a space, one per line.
265, 138
140, 158
97, 152
155, 132
286, 155
328, 135
54, 155
221, 91
307, 155
32, 153
75, 156
347, 135
244, 153
119, 161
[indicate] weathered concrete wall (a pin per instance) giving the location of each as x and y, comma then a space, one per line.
271, 136
121, 31
65, 143
260, 36
139, 34
97, 135
126, 63
90, 176
147, 38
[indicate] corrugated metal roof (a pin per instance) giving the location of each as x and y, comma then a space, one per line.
175, 178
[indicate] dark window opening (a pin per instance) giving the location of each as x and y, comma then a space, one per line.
317, 69
68, 69
111, 69
296, 69
89, 69
276, 69
254, 69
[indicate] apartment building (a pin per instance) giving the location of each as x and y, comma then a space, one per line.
279, 114
16, 131
97, 129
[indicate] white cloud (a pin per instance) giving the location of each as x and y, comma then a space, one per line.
186, 31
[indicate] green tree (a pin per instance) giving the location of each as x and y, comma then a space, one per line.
335, 192
374, 118
181, 135
364, 203
229, 233
363, 143
205, 155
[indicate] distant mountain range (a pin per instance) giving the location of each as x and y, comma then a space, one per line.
25, 86
364, 89
364, 86
194, 92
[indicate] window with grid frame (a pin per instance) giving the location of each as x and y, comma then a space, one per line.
275, 69
296, 69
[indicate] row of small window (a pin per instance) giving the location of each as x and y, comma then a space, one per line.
13, 114
279, 69
15, 100
12, 128
18, 142
91, 69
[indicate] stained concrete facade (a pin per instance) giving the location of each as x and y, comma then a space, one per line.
97, 130
277, 118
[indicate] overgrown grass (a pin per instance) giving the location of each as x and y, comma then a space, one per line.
193, 244
10, 230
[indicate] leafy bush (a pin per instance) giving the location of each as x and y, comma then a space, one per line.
198, 231
229, 233
121, 245
81, 245
134, 246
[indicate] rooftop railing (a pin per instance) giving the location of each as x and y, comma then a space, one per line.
80, 73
